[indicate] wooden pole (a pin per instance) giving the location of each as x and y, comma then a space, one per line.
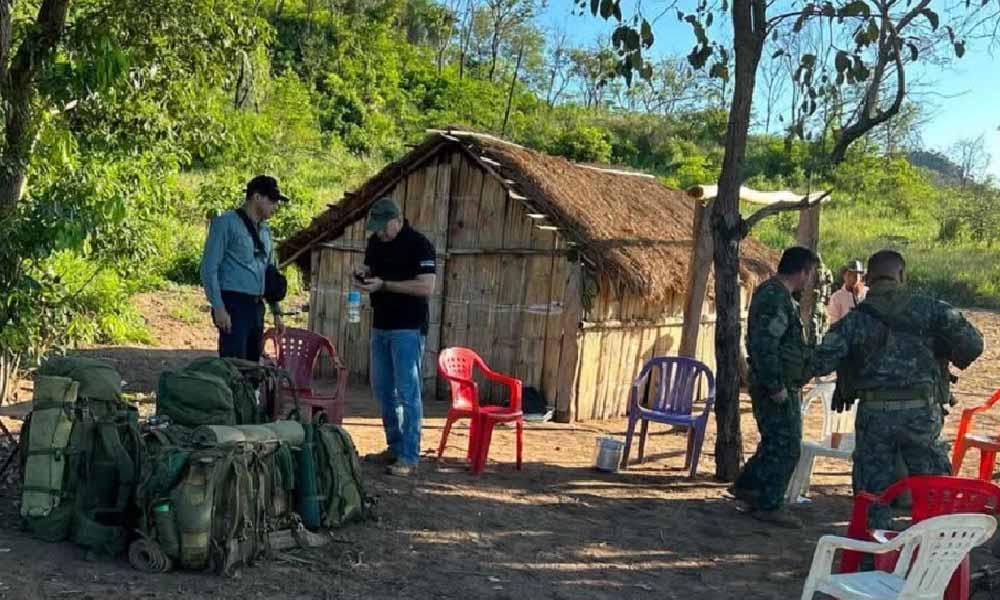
808, 237
697, 279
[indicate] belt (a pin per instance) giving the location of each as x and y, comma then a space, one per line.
889, 405
915, 392
243, 296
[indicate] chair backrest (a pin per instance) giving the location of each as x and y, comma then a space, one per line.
676, 384
939, 545
297, 352
842, 422
461, 363
941, 495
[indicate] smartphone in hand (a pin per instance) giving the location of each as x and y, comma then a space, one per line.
360, 278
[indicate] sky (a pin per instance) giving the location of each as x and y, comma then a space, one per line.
967, 92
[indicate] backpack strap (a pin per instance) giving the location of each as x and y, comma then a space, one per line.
110, 439
252, 230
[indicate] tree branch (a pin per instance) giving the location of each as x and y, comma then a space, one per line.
40, 42
870, 117
773, 209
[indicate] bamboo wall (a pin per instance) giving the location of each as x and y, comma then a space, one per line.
500, 279
506, 289
619, 334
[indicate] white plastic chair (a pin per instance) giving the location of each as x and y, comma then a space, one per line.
842, 423
942, 541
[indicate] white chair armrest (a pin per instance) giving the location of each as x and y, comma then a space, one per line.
841, 543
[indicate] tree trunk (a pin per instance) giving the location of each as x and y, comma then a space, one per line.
19, 133
510, 95
749, 28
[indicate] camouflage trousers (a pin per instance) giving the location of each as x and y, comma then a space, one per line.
882, 435
767, 473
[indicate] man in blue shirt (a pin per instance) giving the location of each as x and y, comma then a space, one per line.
233, 268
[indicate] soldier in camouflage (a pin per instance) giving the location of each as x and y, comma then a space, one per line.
892, 354
821, 296
778, 357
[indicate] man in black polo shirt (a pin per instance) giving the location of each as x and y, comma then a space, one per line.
399, 275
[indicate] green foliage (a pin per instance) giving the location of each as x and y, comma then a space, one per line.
156, 116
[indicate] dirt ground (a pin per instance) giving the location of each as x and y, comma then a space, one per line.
557, 529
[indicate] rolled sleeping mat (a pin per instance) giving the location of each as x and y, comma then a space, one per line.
213, 435
290, 432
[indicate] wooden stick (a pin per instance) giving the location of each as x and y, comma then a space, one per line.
697, 288
805, 202
707, 192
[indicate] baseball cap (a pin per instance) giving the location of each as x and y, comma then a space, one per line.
268, 186
854, 266
381, 212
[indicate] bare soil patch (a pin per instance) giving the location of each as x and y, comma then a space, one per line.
557, 529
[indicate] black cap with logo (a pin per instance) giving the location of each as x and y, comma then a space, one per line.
267, 186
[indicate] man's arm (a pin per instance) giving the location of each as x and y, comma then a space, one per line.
835, 347
211, 259
964, 343
422, 286
768, 326
425, 265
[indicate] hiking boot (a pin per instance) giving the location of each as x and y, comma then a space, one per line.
779, 517
385, 457
401, 469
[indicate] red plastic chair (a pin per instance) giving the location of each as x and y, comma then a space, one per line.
456, 365
988, 445
297, 351
932, 496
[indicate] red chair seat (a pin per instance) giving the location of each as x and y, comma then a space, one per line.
990, 442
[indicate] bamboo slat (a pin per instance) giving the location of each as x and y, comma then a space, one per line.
568, 373
464, 209
491, 214
553, 332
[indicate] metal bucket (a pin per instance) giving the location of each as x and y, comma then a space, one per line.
608, 455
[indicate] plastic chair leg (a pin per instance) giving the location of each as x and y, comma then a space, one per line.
520, 441
799, 484
958, 456
642, 438
485, 436
474, 431
690, 447
444, 436
628, 441
699, 439
986, 463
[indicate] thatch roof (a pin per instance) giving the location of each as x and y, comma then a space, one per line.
625, 224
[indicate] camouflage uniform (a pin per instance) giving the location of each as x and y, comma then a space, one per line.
777, 357
896, 365
822, 292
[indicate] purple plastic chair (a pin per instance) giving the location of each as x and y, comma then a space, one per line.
672, 403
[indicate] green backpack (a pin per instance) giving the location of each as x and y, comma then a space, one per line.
208, 391
338, 477
210, 508
82, 450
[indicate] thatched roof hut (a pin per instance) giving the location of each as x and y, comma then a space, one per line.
568, 276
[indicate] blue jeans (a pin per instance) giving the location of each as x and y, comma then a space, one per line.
395, 374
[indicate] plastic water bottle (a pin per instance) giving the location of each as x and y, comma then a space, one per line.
353, 307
